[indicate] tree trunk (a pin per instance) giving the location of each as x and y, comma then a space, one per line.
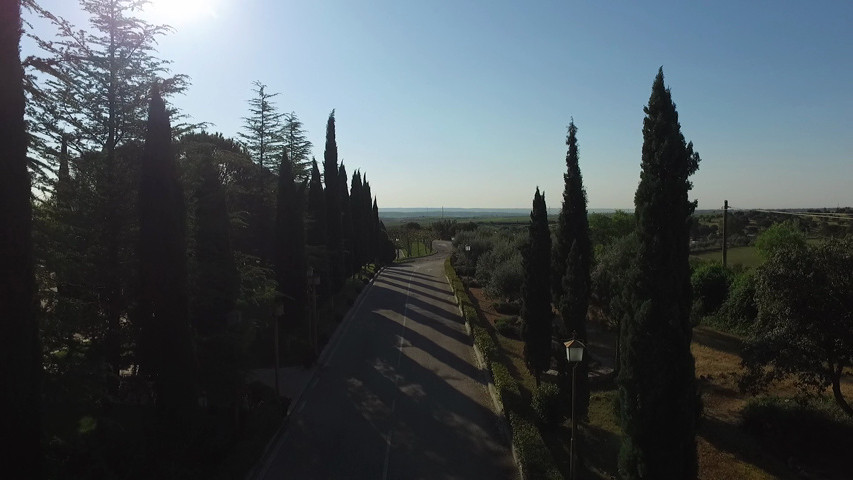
836, 391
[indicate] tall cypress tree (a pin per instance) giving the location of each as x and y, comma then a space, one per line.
536, 290
347, 228
20, 353
334, 240
315, 227
291, 263
359, 242
656, 385
165, 343
572, 262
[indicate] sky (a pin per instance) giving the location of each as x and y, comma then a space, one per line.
466, 103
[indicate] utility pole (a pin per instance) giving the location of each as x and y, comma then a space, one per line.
725, 221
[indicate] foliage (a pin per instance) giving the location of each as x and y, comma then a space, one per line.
263, 128
291, 264
804, 329
814, 432
20, 349
546, 404
657, 386
535, 290
507, 326
165, 344
296, 144
739, 311
710, 284
779, 235
334, 225
444, 229
606, 228
534, 456
610, 277
506, 280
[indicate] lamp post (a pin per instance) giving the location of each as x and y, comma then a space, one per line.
277, 313
574, 354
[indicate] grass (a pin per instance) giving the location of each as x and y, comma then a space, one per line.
419, 249
746, 256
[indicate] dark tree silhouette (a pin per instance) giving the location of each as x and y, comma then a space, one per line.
20, 353
291, 263
217, 281
536, 290
657, 385
572, 262
165, 343
334, 214
347, 228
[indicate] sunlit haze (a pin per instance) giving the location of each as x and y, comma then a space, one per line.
465, 104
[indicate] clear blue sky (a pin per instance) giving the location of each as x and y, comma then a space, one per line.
465, 104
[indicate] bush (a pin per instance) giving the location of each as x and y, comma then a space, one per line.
710, 284
534, 456
507, 326
508, 308
546, 404
506, 279
739, 311
815, 432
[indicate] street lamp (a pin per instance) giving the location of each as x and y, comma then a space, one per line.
467, 248
574, 354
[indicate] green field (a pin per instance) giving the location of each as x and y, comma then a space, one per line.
746, 256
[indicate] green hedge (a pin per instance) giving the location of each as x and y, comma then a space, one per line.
534, 456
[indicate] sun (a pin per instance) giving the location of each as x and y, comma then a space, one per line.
179, 12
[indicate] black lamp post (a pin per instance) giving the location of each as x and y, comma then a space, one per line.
574, 354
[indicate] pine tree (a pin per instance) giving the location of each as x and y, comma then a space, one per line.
20, 352
165, 344
334, 240
291, 263
297, 146
572, 262
656, 384
536, 290
263, 129
93, 95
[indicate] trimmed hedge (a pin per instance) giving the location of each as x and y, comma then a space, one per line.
534, 456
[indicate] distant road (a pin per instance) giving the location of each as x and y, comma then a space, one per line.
400, 396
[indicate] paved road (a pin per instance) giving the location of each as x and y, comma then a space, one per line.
399, 396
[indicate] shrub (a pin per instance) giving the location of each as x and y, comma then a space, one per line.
710, 284
506, 280
508, 308
507, 326
816, 432
535, 458
739, 311
546, 404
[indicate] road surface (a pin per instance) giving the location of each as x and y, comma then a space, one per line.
399, 395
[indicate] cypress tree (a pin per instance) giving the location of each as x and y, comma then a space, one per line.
315, 228
217, 281
333, 207
572, 263
656, 384
535, 290
358, 223
347, 227
165, 343
291, 263
20, 352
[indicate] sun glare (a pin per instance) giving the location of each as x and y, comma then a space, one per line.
178, 12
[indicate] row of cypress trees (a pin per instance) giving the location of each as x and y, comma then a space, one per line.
657, 394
